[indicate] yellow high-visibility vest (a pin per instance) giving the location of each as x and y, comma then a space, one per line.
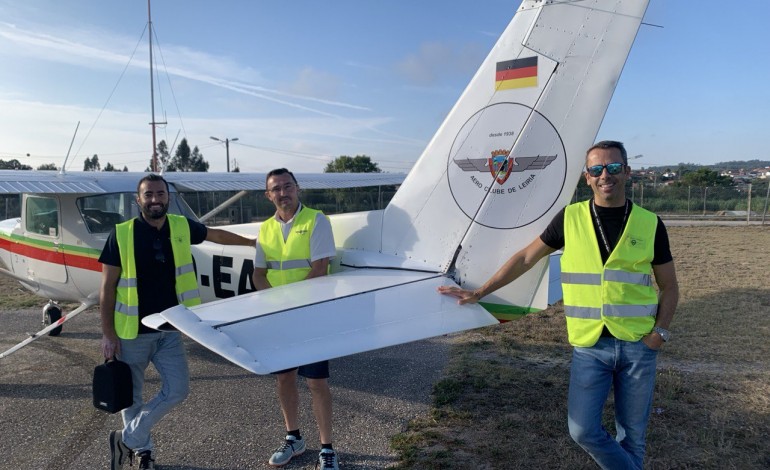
618, 294
288, 261
127, 297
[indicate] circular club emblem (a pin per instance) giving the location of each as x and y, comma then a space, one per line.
507, 166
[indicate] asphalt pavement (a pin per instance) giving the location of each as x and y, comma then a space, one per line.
231, 419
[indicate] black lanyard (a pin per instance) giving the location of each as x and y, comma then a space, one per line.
602, 234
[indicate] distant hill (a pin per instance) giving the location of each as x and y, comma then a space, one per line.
734, 165
745, 164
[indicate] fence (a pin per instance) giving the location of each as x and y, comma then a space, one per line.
256, 207
747, 201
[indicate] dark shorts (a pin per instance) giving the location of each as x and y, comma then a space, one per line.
316, 370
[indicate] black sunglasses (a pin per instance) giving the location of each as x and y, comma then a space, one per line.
158, 247
612, 168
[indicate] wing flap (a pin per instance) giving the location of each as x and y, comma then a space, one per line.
380, 314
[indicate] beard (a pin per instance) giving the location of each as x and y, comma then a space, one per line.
154, 211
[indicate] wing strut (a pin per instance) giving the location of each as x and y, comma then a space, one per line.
84, 306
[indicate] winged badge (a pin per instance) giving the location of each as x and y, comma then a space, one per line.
501, 164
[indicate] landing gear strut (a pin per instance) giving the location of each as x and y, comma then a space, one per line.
52, 314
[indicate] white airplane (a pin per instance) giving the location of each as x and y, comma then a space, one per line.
507, 158
53, 248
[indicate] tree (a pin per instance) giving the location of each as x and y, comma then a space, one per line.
185, 160
163, 158
92, 164
48, 166
13, 165
705, 177
357, 164
354, 199
109, 167
125, 168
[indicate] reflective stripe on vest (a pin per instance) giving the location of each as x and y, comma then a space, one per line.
127, 298
288, 261
618, 294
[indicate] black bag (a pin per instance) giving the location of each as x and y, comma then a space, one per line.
113, 388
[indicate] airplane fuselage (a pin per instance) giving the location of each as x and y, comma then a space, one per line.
53, 250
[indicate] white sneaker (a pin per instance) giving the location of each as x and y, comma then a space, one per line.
327, 460
291, 447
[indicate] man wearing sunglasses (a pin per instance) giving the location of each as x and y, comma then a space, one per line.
147, 267
616, 320
296, 244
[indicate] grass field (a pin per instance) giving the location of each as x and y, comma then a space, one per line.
502, 401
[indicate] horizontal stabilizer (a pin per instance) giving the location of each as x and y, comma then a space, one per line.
334, 316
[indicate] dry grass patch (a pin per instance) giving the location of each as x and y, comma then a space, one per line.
502, 401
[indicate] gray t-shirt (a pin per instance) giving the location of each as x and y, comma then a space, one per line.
321, 241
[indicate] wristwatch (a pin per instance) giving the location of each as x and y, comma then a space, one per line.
664, 333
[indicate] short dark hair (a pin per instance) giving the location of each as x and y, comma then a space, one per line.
151, 177
610, 144
279, 171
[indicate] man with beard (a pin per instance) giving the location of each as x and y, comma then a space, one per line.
147, 267
616, 321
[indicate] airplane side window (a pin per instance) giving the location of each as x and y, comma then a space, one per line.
101, 212
42, 216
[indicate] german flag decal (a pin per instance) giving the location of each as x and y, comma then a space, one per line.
516, 73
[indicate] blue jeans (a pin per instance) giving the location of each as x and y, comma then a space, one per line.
629, 367
166, 352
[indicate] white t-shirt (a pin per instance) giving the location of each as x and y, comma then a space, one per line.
321, 240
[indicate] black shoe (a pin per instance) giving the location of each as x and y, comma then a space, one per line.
146, 462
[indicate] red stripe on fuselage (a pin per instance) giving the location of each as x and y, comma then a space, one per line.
65, 259
83, 262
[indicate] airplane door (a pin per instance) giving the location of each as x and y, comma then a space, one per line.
39, 255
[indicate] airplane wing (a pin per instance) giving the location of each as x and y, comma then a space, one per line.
100, 182
328, 317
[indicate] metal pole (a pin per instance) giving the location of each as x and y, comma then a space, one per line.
152, 98
767, 196
705, 189
227, 153
748, 207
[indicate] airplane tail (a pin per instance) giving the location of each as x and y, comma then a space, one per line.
509, 154
504, 161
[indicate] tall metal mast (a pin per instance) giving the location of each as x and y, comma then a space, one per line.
154, 165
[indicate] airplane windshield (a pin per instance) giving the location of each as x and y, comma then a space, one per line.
101, 212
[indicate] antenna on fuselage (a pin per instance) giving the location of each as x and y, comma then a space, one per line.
163, 168
61, 172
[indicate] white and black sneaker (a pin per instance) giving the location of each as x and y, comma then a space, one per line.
291, 447
327, 460
119, 452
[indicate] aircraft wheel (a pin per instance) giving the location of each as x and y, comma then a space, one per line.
52, 315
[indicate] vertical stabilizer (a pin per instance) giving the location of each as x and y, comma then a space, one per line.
509, 154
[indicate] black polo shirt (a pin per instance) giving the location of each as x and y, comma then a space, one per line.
155, 270
612, 220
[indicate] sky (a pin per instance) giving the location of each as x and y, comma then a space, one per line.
299, 83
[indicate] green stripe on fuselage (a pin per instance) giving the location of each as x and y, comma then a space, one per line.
507, 312
46, 245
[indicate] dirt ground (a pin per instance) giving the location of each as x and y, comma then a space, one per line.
502, 401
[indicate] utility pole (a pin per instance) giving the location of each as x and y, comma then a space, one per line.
227, 148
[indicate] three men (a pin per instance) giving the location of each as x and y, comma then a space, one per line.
615, 319
295, 244
147, 268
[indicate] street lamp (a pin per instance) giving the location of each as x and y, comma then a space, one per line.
227, 148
